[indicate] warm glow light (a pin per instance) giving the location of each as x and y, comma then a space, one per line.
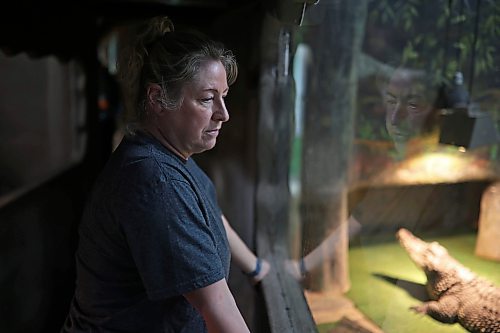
437, 167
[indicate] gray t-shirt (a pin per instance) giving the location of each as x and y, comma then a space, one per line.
151, 232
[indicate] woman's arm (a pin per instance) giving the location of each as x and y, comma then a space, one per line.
242, 256
218, 308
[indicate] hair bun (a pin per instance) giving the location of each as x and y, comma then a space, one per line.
161, 25
150, 30
132, 54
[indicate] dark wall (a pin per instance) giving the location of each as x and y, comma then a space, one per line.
38, 224
37, 242
432, 208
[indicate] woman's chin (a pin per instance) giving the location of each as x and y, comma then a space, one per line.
400, 138
207, 145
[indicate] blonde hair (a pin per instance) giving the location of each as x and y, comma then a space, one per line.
158, 54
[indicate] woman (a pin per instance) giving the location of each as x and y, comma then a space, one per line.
154, 247
409, 98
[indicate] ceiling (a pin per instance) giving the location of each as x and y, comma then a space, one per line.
67, 28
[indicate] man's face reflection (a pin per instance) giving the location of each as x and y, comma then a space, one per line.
407, 106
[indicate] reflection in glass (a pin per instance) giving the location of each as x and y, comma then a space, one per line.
399, 174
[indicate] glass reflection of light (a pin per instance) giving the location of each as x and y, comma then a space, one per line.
431, 168
439, 167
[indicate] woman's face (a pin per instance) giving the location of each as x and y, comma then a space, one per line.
195, 125
407, 107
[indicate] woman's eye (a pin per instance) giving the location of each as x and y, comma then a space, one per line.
413, 107
207, 100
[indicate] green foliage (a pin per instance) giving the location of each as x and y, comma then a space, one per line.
368, 129
444, 38
409, 53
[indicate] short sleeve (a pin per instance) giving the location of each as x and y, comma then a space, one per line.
170, 237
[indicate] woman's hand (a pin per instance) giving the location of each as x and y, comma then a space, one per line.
296, 268
264, 270
252, 266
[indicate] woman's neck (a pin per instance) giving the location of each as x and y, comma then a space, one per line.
156, 133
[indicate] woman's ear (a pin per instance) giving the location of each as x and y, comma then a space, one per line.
154, 96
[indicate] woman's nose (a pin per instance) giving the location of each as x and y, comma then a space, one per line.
220, 112
398, 113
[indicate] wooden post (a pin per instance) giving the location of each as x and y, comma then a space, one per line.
328, 139
487, 245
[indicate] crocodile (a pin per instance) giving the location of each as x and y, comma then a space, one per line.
457, 294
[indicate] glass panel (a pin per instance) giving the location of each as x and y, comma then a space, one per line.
42, 114
397, 120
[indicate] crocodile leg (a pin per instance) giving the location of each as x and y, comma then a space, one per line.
445, 310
